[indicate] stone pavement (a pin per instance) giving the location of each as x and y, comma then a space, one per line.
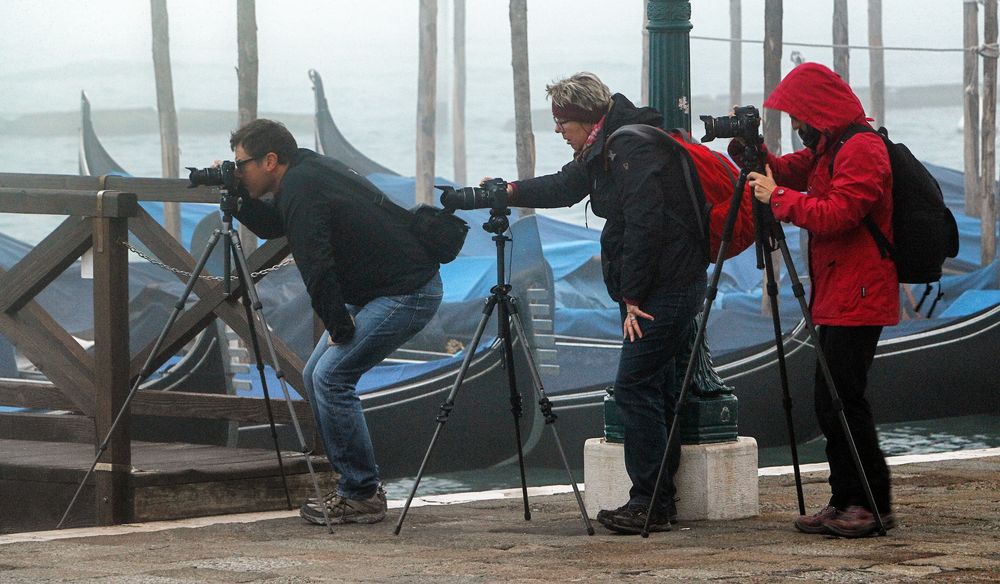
949, 513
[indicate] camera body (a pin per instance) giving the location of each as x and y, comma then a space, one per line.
491, 195
744, 123
223, 176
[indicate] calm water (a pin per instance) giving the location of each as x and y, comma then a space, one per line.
927, 436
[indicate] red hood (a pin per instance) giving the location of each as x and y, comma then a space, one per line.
817, 96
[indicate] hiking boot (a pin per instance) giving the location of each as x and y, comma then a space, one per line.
630, 519
857, 521
344, 510
816, 523
314, 502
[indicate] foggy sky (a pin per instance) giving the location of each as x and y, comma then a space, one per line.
369, 49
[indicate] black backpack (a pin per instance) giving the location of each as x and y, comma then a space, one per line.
924, 229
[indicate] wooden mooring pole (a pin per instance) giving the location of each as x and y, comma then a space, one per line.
773, 48
736, 52
169, 141
970, 83
247, 72
458, 95
524, 137
426, 101
876, 67
988, 182
841, 54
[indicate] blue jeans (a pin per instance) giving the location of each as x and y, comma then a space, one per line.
646, 390
332, 372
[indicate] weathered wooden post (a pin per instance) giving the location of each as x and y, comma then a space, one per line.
876, 68
670, 60
111, 355
970, 82
736, 52
988, 216
773, 49
169, 148
247, 74
426, 101
524, 138
773, 11
644, 84
458, 95
841, 54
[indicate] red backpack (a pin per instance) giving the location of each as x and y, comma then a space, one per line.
709, 175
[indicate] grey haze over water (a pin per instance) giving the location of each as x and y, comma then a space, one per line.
367, 54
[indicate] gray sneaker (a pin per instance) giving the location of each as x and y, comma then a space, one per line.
344, 510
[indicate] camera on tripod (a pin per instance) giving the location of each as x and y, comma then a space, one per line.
744, 123
223, 175
491, 195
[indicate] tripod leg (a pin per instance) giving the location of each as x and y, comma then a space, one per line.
838, 405
145, 372
772, 294
251, 290
449, 404
546, 407
503, 317
267, 396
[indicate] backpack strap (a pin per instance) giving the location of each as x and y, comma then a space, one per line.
655, 135
885, 249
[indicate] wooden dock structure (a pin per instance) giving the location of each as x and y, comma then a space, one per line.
43, 455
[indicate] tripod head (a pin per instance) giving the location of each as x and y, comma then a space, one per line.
498, 222
229, 204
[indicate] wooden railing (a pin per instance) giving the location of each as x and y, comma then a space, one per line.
101, 212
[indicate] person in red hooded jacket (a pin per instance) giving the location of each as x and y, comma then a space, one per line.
855, 290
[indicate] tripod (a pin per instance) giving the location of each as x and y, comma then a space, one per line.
232, 249
507, 315
769, 236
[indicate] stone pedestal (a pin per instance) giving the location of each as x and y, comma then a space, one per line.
715, 481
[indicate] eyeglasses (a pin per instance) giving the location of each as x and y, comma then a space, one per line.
241, 163
561, 124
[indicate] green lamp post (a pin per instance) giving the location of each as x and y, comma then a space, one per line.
710, 411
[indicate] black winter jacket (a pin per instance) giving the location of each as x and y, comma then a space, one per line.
642, 246
347, 248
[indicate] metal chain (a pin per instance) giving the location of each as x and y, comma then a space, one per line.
178, 271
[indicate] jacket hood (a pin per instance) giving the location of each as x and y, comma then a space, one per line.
622, 113
817, 96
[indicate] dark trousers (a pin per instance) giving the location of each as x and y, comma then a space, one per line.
646, 390
849, 351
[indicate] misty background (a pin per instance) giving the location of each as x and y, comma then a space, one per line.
367, 55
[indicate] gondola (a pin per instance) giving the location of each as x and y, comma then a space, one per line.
925, 367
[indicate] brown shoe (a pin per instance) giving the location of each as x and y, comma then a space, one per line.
855, 521
816, 523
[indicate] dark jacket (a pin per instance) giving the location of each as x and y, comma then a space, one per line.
642, 246
852, 284
347, 248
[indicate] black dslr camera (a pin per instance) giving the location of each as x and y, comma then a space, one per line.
223, 176
492, 195
744, 123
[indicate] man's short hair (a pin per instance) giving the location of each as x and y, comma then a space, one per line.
583, 89
262, 136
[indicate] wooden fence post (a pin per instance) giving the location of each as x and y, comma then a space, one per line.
111, 361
